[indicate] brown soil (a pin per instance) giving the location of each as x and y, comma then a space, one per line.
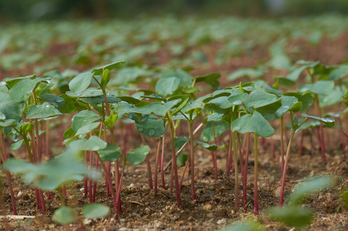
214, 207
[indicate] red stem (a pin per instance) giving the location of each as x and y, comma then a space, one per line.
183, 175
162, 165
158, 156
246, 170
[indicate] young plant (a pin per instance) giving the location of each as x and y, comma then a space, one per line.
293, 214
295, 125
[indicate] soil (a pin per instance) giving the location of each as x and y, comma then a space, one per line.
215, 204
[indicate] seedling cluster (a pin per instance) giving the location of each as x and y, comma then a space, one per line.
100, 110
95, 114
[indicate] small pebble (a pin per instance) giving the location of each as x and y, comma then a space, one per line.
87, 221
222, 221
233, 212
207, 207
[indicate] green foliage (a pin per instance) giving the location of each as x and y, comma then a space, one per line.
253, 123
181, 159
65, 215
138, 155
95, 210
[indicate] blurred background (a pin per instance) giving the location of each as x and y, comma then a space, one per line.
19, 10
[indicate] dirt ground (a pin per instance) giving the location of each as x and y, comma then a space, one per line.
214, 207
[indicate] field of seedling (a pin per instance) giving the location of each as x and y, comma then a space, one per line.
174, 124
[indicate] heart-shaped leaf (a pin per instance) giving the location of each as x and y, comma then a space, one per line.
43, 111
110, 66
333, 98
293, 216
329, 122
68, 106
320, 87
150, 126
137, 156
65, 215
179, 142
306, 99
289, 103
181, 159
22, 90
56, 101
87, 128
310, 186
80, 82
210, 147
166, 86
211, 79
207, 133
82, 118
110, 153
253, 123
17, 145
263, 102
95, 210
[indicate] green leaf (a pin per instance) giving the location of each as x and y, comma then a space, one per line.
320, 87
105, 78
94, 143
263, 102
111, 120
110, 66
17, 145
110, 153
2, 116
210, 147
287, 103
22, 90
306, 99
310, 186
82, 118
211, 79
181, 159
43, 111
167, 86
137, 156
329, 122
248, 225
183, 76
247, 72
344, 196
293, 216
17, 166
11, 110
65, 215
253, 123
69, 133
333, 98
56, 101
179, 142
80, 82
179, 106
95, 210
26, 127
68, 106
87, 128
207, 133
150, 126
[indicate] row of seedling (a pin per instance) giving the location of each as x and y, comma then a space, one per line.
101, 115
